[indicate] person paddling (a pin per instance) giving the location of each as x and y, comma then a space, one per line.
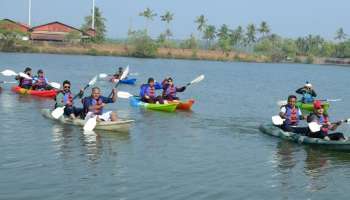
169, 89
24, 82
307, 92
93, 105
320, 118
148, 92
292, 116
65, 98
119, 73
40, 82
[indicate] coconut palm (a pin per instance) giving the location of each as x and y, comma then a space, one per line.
264, 29
340, 35
236, 36
251, 34
167, 17
209, 34
149, 15
202, 22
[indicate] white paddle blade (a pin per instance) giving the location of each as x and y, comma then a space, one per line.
55, 85
277, 120
314, 127
23, 75
93, 81
124, 95
8, 82
282, 103
102, 76
125, 73
90, 124
198, 79
8, 72
58, 112
333, 100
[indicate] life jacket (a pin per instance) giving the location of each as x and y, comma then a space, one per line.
307, 98
67, 99
150, 91
324, 120
292, 115
170, 91
41, 82
93, 102
26, 82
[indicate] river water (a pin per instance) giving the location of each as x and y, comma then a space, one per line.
214, 152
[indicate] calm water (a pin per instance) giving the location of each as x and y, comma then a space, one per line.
214, 152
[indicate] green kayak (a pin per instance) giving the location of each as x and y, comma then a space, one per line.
309, 106
117, 126
272, 130
170, 107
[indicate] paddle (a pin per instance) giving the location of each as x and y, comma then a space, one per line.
315, 127
6, 82
277, 120
8, 72
91, 122
58, 112
196, 80
284, 102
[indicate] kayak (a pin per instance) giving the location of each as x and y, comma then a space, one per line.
272, 130
129, 81
39, 93
170, 107
117, 126
309, 106
183, 105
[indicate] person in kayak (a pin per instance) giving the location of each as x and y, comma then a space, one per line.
292, 116
65, 98
40, 82
320, 118
93, 105
24, 82
169, 89
307, 92
148, 92
119, 73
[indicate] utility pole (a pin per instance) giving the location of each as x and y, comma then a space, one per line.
30, 13
93, 15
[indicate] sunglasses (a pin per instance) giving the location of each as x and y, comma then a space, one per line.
68, 87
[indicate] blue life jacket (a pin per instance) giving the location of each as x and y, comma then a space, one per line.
26, 82
145, 89
307, 98
89, 101
170, 91
292, 116
40, 82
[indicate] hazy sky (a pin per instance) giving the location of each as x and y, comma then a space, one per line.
289, 18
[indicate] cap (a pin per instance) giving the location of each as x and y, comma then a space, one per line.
307, 84
40, 71
317, 104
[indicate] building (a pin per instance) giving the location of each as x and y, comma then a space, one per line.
13, 26
57, 31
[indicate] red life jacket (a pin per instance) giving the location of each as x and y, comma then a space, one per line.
292, 115
322, 121
67, 99
97, 111
151, 91
171, 91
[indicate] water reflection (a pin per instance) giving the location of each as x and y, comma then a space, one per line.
315, 161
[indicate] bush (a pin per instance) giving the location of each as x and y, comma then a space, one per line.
144, 46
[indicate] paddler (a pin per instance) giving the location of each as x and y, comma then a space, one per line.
292, 116
40, 82
93, 105
119, 73
169, 89
307, 92
65, 98
24, 82
320, 118
148, 92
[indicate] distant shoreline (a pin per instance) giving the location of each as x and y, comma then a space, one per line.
169, 53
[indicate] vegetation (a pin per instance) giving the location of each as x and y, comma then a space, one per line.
144, 46
100, 26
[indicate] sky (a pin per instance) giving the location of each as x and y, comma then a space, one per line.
288, 18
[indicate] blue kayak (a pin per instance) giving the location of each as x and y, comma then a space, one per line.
130, 81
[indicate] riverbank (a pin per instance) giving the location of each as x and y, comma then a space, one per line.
170, 53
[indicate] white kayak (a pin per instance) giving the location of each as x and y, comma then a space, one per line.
117, 126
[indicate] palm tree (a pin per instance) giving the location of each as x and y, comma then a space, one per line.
167, 17
202, 22
209, 34
149, 15
223, 32
236, 36
264, 28
251, 32
340, 34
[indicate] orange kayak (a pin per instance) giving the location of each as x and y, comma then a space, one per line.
184, 105
39, 93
